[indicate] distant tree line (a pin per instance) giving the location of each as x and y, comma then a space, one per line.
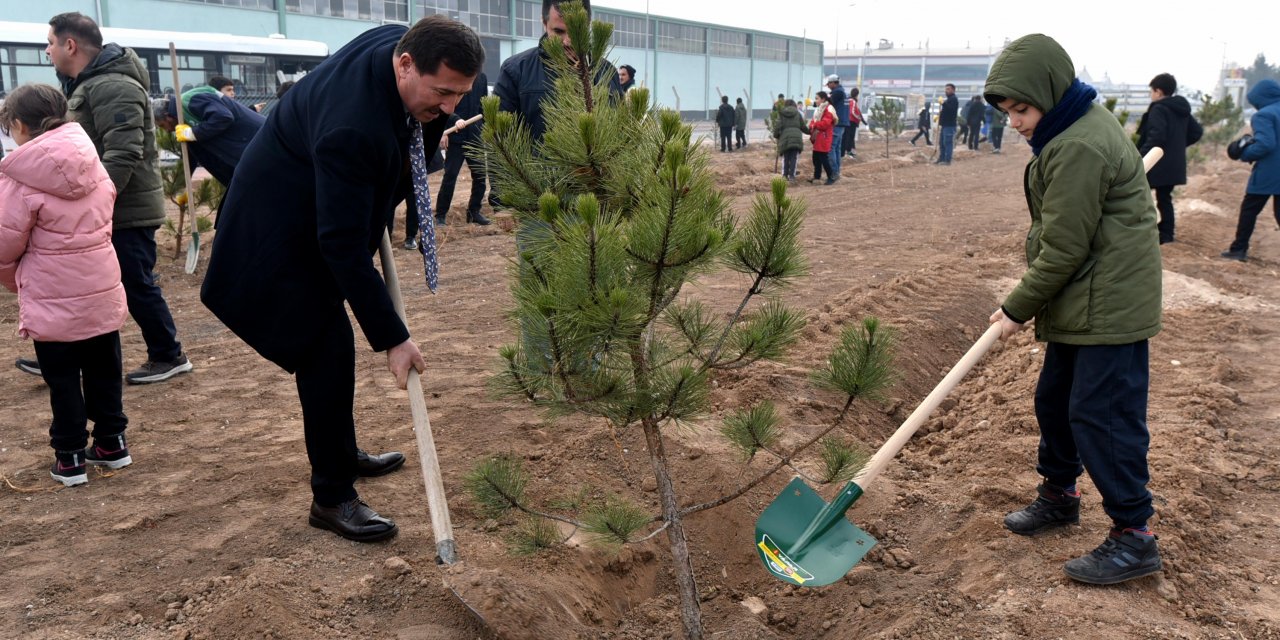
1261, 71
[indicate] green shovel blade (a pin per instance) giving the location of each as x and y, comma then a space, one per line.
805, 541
193, 250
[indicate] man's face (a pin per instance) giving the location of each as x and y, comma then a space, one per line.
833, 84
61, 53
1022, 116
427, 96
951, 91
228, 91
623, 75
168, 124
556, 28
1157, 95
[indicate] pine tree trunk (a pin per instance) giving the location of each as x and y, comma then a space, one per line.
690, 610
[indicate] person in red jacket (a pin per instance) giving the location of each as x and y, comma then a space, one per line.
821, 129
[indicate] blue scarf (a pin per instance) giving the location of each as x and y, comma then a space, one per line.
1073, 105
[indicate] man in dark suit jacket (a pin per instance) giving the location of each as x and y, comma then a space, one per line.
218, 128
305, 214
458, 151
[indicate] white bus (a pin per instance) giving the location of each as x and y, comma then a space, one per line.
256, 65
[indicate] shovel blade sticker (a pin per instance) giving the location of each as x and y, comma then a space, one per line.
781, 565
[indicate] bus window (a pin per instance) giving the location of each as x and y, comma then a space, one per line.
253, 75
194, 70
20, 65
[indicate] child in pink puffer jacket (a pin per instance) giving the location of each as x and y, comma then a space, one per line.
55, 253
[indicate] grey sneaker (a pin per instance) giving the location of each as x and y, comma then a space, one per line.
28, 366
1123, 556
152, 371
1052, 508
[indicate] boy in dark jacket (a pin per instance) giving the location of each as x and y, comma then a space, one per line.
725, 118
1092, 285
216, 128
1167, 124
1264, 153
922, 126
740, 124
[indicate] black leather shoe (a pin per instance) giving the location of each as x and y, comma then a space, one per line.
371, 466
475, 217
353, 520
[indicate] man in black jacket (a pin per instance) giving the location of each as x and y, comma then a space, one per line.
217, 128
1167, 124
305, 213
458, 150
525, 80
725, 117
947, 125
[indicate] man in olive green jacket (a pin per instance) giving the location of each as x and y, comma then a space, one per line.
1093, 287
107, 93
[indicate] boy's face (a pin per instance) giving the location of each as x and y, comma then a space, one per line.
1022, 116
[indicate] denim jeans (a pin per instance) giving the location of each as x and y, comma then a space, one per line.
833, 158
1091, 404
136, 252
946, 143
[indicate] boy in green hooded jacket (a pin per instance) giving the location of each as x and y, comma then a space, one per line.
1092, 285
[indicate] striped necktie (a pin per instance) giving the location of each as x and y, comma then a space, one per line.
422, 192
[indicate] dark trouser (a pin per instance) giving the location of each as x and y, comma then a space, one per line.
85, 379
997, 137
964, 133
1091, 403
326, 389
1164, 204
741, 136
726, 138
410, 218
922, 132
789, 163
946, 143
821, 161
452, 166
850, 140
136, 252
1249, 210
975, 136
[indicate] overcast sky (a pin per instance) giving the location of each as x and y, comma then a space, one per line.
1130, 41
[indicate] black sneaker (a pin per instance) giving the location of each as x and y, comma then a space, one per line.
475, 217
68, 468
1052, 508
110, 452
440, 220
28, 366
152, 371
1231, 254
1124, 555
411, 244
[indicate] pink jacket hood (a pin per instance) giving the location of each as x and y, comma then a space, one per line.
56, 202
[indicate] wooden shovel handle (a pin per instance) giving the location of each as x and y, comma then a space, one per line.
461, 124
900, 437
441, 526
1153, 156
186, 163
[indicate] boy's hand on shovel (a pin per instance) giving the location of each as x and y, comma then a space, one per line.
403, 357
1007, 327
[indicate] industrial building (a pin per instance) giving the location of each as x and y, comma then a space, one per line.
688, 65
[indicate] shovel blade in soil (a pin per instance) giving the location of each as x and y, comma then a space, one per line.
193, 252
805, 541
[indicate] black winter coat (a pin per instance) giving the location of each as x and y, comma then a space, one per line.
726, 116
1168, 124
950, 107
224, 131
309, 203
523, 82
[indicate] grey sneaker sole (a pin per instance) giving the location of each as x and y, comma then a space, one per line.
160, 377
70, 481
111, 464
1137, 572
27, 368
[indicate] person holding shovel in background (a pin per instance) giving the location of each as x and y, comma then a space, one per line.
1093, 287
305, 213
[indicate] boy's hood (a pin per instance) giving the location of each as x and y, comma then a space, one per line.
1034, 70
1265, 93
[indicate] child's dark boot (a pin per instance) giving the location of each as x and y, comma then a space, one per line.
1054, 507
1125, 554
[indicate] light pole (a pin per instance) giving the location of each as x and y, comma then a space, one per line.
837, 49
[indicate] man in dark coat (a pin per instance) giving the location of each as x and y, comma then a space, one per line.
458, 151
217, 128
725, 117
740, 124
947, 125
525, 79
1167, 124
305, 213
974, 117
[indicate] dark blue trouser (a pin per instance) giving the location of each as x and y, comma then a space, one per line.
1164, 204
326, 382
726, 138
452, 165
946, 143
85, 379
1250, 207
136, 251
1091, 403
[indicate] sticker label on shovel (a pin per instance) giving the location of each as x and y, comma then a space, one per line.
780, 564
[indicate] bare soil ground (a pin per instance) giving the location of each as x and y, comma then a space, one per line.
205, 536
